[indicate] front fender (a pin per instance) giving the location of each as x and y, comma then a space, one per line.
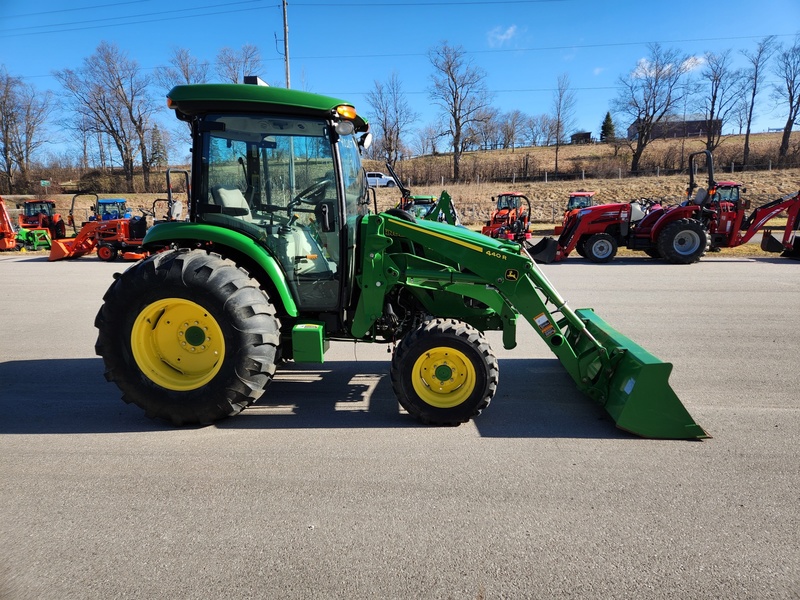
167, 233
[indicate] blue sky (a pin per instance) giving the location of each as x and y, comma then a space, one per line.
341, 48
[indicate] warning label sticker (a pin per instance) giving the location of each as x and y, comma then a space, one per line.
544, 325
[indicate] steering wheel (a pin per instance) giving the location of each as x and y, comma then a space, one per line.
313, 194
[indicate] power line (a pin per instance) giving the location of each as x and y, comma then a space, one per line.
25, 31
74, 9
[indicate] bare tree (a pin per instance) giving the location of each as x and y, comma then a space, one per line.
23, 114
754, 77
511, 126
392, 115
484, 131
232, 66
427, 139
650, 92
111, 98
459, 89
539, 130
183, 69
787, 90
721, 88
563, 111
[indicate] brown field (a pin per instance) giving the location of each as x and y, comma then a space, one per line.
473, 198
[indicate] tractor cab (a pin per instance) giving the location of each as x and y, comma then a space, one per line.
510, 218
33, 210
418, 206
578, 200
290, 179
111, 209
41, 214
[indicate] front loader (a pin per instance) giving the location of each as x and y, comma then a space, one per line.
282, 255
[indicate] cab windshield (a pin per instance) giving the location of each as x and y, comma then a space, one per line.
33, 209
275, 179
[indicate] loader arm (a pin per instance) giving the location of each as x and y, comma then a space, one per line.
442, 266
761, 215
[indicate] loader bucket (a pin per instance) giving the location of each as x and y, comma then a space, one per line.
636, 391
68, 248
60, 249
544, 251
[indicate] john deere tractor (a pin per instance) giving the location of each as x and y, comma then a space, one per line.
283, 254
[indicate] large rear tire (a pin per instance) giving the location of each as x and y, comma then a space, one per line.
683, 242
444, 372
188, 337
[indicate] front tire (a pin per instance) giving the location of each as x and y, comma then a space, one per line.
106, 252
188, 337
444, 372
600, 248
683, 242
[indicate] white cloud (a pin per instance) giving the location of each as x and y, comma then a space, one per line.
693, 63
499, 36
598, 70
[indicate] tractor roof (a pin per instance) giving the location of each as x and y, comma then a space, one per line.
582, 194
189, 100
111, 200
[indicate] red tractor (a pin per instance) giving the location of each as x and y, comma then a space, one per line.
714, 218
511, 218
41, 214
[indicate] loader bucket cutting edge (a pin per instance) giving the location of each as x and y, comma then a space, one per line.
639, 397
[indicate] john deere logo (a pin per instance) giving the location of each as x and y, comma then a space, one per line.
512, 274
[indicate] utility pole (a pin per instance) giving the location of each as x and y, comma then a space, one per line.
286, 44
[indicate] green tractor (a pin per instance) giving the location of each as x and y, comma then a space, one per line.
282, 254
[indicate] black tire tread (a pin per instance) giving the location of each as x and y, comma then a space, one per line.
449, 328
207, 276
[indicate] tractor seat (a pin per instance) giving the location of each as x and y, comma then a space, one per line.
701, 198
232, 198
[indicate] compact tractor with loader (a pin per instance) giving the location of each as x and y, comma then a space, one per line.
41, 214
109, 234
577, 201
282, 255
715, 217
20, 239
510, 219
427, 207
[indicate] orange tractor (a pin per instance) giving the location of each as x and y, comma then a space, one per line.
41, 214
510, 220
113, 237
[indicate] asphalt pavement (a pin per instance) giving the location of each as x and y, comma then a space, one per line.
326, 489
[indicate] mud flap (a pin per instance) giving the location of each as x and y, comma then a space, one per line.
635, 390
544, 251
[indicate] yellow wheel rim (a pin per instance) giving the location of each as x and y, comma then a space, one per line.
177, 344
443, 377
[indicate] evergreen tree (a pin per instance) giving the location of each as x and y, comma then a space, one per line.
607, 132
158, 152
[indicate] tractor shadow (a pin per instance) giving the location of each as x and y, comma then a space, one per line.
535, 399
